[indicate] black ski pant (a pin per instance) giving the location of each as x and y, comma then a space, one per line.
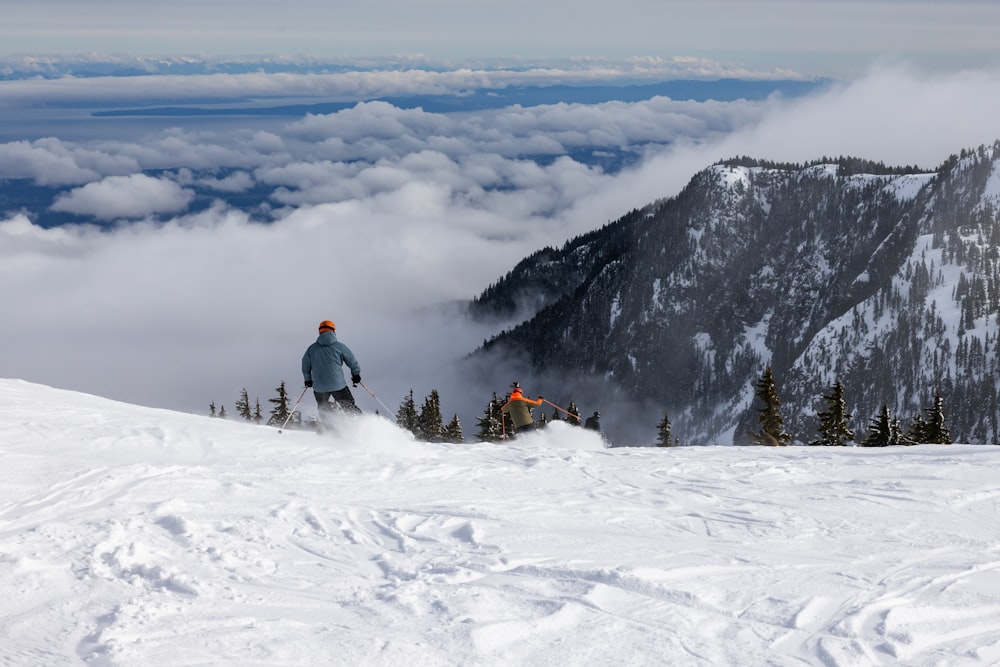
342, 399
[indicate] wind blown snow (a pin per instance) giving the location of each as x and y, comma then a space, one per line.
138, 536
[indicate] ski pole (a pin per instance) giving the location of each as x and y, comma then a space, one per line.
576, 417
293, 408
503, 422
372, 394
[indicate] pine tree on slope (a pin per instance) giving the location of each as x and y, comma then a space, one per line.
279, 413
489, 429
453, 431
406, 416
664, 436
879, 430
833, 429
897, 437
243, 405
771, 421
574, 414
917, 432
936, 432
430, 424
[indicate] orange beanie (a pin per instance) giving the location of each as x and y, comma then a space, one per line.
327, 325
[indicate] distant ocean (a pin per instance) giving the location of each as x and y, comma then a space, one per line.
94, 121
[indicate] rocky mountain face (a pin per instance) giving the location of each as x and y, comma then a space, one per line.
885, 278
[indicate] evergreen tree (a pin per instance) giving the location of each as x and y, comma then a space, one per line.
771, 421
488, 424
833, 429
211, 409
574, 414
243, 405
896, 436
430, 425
936, 432
222, 412
406, 416
664, 436
453, 431
917, 431
280, 412
879, 430
258, 413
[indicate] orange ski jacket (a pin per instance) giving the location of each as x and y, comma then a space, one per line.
519, 408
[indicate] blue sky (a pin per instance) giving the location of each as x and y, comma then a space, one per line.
815, 37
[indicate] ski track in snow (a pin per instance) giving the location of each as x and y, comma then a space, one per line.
133, 536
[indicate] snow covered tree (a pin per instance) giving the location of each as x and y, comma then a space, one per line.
406, 416
430, 424
258, 413
915, 431
896, 436
212, 409
280, 411
222, 412
453, 431
664, 436
935, 430
880, 431
770, 419
833, 429
574, 414
243, 405
489, 429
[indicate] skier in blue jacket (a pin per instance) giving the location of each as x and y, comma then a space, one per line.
322, 369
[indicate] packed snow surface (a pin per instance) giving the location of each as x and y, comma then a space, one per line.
137, 536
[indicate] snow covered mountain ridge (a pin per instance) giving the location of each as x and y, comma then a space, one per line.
886, 278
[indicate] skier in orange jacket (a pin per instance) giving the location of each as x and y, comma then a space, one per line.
519, 409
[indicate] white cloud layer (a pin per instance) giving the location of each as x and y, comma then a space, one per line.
134, 196
388, 80
383, 215
51, 162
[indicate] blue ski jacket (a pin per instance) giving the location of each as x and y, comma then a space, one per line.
323, 363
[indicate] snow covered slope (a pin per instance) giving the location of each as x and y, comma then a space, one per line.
135, 536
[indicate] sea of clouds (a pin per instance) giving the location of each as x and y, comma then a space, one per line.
379, 218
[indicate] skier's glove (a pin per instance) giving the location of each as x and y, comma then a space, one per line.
356, 379
309, 383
